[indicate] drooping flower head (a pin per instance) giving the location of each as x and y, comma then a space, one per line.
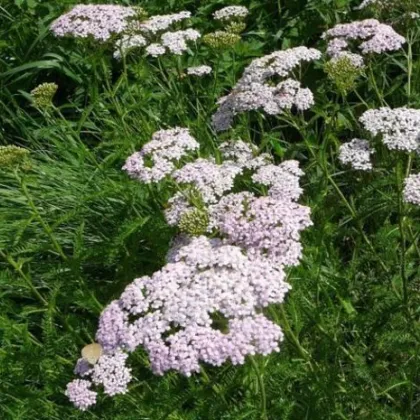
199, 71
127, 43
254, 90
176, 42
211, 180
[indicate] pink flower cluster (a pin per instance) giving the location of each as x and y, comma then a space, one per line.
98, 21
206, 304
157, 158
376, 37
254, 90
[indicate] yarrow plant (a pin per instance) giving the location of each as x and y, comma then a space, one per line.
205, 304
254, 91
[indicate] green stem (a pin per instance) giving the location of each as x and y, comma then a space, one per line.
289, 332
401, 218
44, 224
27, 280
261, 387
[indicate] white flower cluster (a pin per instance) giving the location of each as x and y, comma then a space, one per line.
399, 127
411, 192
155, 50
199, 71
254, 91
160, 23
231, 12
98, 21
176, 42
127, 43
356, 153
376, 37
158, 157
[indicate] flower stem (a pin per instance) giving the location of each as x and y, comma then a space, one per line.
261, 386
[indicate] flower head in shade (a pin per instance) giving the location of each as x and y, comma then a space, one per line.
237, 151
199, 71
399, 127
373, 37
128, 43
176, 42
155, 50
255, 91
178, 205
43, 95
158, 157
98, 21
79, 393
411, 192
160, 23
356, 153
231, 12
211, 180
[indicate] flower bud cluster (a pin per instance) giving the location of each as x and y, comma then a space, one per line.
43, 95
